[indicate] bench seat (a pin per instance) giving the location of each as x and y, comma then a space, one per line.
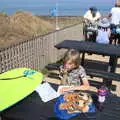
91, 72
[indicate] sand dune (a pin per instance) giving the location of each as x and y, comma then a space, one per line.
22, 26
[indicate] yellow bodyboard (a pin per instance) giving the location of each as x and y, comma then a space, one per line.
16, 84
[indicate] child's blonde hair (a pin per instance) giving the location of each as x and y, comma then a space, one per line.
73, 56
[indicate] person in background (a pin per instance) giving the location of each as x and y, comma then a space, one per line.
91, 18
103, 33
72, 74
114, 14
92, 15
114, 17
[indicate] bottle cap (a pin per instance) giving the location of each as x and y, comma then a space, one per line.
103, 91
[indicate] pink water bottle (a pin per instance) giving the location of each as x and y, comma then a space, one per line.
102, 93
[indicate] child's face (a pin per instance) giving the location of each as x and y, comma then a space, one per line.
69, 65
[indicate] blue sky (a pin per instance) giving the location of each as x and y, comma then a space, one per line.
43, 1
10, 6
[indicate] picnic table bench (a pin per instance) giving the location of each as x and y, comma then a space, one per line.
95, 48
92, 73
32, 108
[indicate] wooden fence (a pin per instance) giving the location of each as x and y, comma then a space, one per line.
38, 52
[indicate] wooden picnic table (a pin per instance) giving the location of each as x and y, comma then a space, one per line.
90, 47
32, 108
94, 48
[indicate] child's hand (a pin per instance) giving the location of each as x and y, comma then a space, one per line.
64, 89
63, 70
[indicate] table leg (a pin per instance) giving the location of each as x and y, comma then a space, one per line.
113, 63
119, 40
83, 58
111, 68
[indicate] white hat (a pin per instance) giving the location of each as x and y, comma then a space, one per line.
104, 23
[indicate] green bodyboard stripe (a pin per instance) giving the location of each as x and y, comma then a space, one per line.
12, 91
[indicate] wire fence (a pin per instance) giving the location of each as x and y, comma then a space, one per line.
38, 52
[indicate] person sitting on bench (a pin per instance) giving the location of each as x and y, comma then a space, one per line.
72, 74
103, 33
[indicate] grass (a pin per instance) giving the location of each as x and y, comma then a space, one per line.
63, 21
21, 26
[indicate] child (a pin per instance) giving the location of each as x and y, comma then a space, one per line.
72, 73
103, 31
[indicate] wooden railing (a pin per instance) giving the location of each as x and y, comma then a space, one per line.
38, 52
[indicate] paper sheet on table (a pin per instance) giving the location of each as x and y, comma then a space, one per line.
46, 92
